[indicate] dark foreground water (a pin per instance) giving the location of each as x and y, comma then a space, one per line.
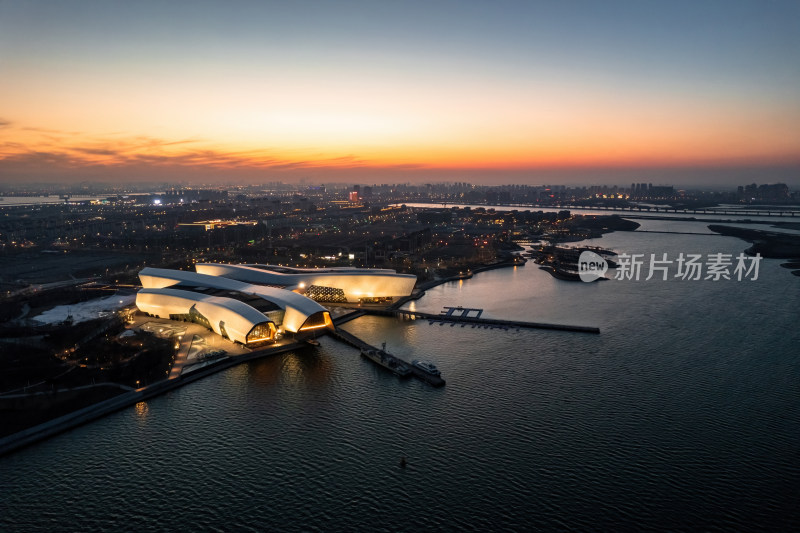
684, 414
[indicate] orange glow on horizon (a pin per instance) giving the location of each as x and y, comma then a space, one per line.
447, 130
74, 149
249, 93
215, 124
475, 125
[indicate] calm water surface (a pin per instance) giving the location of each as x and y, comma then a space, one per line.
683, 414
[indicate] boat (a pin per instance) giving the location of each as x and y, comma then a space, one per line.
387, 361
560, 272
312, 342
426, 367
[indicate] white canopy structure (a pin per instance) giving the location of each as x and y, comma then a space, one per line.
225, 316
298, 312
323, 284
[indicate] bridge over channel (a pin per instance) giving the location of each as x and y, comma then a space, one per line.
775, 211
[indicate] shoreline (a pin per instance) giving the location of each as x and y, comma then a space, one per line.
769, 244
64, 423
419, 291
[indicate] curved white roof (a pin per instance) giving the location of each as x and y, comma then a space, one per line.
297, 307
238, 317
355, 282
321, 270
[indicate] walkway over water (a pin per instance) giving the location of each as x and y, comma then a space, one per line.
416, 315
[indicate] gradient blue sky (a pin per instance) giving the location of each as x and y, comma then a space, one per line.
674, 92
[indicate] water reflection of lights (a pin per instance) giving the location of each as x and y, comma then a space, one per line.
312, 367
142, 410
291, 367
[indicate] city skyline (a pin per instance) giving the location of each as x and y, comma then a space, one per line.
514, 92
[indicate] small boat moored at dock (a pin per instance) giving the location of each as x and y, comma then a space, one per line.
427, 372
429, 368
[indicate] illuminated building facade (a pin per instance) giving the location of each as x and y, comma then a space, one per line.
335, 285
228, 317
240, 311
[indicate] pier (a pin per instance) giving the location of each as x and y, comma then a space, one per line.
352, 340
463, 319
461, 312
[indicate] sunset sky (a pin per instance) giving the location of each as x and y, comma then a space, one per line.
676, 92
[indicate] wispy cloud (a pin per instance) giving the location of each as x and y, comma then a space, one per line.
145, 155
51, 131
95, 151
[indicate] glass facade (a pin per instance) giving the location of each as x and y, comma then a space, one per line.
325, 294
261, 332
318, 320
192, 316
